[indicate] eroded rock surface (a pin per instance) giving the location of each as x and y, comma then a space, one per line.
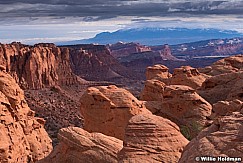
22, 137
228, 86
182, 105
79, 146
159, 72
151, 138
38, 66
226, 65
222, 138
223, 108
184, 75
107, 109
186, 108
95, 62
153, 90
188, 76
121, 49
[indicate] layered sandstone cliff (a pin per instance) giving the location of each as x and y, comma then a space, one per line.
148, 56
38, 66
95, 62
212, 48
121, 49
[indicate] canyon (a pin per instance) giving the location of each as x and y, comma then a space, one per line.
117, 103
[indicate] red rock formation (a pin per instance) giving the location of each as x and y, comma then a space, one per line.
166, 53
223, 138
184, 75
152, 91
38, 66
94, 62
22, 137
77, 145
228, 49
150, 138
186, 108
181, 104
188, 76
205, 50
159, 72
107, 109
121, 49
150, 56
223, 108
223, 87
226, 65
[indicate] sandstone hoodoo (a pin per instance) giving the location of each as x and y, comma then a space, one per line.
185, 107
181, 104
22, 137
107, 109
159, 72
184, 75
149, 138
223, 138
35, 67
77, 145
187, 75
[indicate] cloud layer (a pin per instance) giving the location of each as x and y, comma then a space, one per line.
34, 21
92, 10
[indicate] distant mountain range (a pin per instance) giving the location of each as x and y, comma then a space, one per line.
157, 36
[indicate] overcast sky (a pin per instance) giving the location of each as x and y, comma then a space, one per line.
60, 20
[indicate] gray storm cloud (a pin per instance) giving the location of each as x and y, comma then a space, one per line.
93, 10
33, 21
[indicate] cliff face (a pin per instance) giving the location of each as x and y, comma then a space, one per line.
121, 49
142, 53
22, 135
206, 49
139, 61
94, 62
35, 67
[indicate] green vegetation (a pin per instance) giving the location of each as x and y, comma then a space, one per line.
189, 131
